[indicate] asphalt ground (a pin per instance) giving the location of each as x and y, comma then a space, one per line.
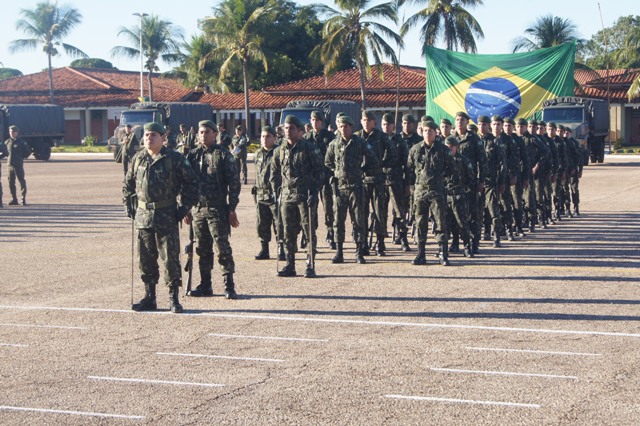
545, 330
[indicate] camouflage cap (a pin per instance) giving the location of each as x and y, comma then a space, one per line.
345, 119
269, 130
388, 117
429, 123
497, 118
552, 125
451, 141
154, 127
408, 117
463, 114
542, 123
446, 121
426, 118
472, 127
340, 114
317, 115
522, 121
369, 115
208, 123
292, 119
483, 119
509, 120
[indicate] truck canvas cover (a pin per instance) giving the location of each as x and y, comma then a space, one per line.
35, 120
187, 113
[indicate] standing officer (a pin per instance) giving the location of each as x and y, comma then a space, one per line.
375, 194
557, 184
185, 140
522, 172
223, 139
457, 184
129, 143
553, 170
494, 179
3, 153
536, 161
239, 144
349, 156
430, 163
574, 181
511, 169
17, 151
299, 166
215, 210
169, 138
159, 175
265, 196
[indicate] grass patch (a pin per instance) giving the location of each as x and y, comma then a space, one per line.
79, 149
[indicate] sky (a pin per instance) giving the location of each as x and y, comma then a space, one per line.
501, 20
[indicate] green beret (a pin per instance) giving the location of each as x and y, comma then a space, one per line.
463, 114
388, 117
533, 122
522, 121
451, 140
552, 125
430, 124
446, 121
426, 118
497, 118
208, 123
154, 127
345, 119
408, 117
369, 115
542, 123
317, 115
269, 129
509, 120
472, 127
292, 119
483, 119
14, 127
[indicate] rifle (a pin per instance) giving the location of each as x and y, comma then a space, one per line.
312, 259
372, 228
188, 267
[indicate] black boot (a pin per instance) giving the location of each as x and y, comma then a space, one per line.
455, 244
281, 255
380, 247
330, 239
405, 243
576, 211
496, 240
148, 302
202, 290
444, 254
510, 236
309, 272
339, 257
468, 250
229, 287
263, 254
420, 259
13, 202
289, 269
174, 303
475, 246
360, 250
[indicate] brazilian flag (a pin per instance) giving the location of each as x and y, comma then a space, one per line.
509, 85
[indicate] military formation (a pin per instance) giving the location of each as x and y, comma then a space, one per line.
460, 182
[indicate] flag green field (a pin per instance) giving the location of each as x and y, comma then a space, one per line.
512, 85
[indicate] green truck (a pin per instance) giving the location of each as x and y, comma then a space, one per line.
41, 126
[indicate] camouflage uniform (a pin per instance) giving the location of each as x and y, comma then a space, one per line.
522, 173
17, 151
223, 139
558, 185
534, 194
129, 144
3, 153
265, 196
396, 180
574, 160
410, 141
494, 178
553, 171
512, 170
322, 139
457, 185
241, 158
186, 142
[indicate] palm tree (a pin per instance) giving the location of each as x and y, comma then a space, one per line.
632, 47
447, 20
160, 40
548, 31
357, 28
47, 25
194, 71
238, 29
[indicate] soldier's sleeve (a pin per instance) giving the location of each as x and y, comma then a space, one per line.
317, 166
390, 153
189, 188
25, 148
132, 145
370, 159
129, 184
514, 158
410, 169
3, 151
483, 161
329, 157
526, 161
232, 177
275, 180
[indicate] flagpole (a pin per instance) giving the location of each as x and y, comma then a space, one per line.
606, 51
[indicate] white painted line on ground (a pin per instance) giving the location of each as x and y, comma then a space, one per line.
14, 345
64, 327
220, 357
463, 401
74, 413
531, 351
293, 339
336, 321
503, 373
162, 382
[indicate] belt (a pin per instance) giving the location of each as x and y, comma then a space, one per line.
157, 204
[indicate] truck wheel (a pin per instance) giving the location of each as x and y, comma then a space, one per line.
43, 152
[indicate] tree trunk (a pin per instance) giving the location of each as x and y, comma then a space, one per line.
245, 77
150, 86
362, 94
51, 99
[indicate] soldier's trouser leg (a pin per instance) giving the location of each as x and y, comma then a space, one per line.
23, 183
12, 182
264, 221
169, 250
357, 211
548, 198
380, 209
460, 214
291, 222
326, 196
421, 209
539, 184
472, 205
340, 207
507, 207
558, 197
529, 207
204, 247
395, 193
148, 256
438, 210
219, 228
304, 222
0, 184
491, 199
575, 190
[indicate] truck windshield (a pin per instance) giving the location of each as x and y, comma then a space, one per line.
136, 117
303, 114
563, 115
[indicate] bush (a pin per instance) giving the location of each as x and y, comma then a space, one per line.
617, 144
89, 141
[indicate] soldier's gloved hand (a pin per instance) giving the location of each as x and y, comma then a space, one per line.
181, 212
312, 199
131, 213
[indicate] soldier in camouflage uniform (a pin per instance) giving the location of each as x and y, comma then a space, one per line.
430, 163
185, 140
214, 213
223, 139
557, 184
574, 180
299, 166
536, 160
411, 137
239, 145
265, 196
552, 173
375, 194
156, 178
349, 157
445, 128
169, 138
522, 173
321, 137
128, 145
494, 180
17, 151
457, 184
511, 167
3, 154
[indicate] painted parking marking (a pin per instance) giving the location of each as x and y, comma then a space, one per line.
62, 327
13, 345
291, 339
70, 412
531, 351
503, 373
463, 401
161, 382
237, 358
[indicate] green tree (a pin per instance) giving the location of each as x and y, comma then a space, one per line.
355, 28
548, 31
9, 72
618, 36
47, 25
91, 63
237, 29
449, 21
193, 71
160, 40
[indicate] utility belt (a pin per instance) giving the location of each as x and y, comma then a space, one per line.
157, 204
211, 203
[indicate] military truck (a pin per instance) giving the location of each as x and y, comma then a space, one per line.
166, 113
303, 108
587, 118
41, 126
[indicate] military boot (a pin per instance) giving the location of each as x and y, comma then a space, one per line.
510, 235
229, 287
303, 241
444, 254
567, 209
380, 247
331, 239
174, 303
203, 289
496, 240
148, 302
468, 250
420, 259
289, 269
360, 250
339, 257
475, 246
263, 254
309, 272
455, 244
13, 202
405, 243
577, 211
281, 254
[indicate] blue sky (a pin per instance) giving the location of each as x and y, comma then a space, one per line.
501, 21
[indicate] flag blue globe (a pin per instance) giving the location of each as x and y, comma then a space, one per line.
492, 96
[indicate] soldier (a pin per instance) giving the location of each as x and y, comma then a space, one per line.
494, 179
375, 194
169, 138
348, 157
3, 153
321, 137
299, 166
215, 210
156, 178
128, 145
457, 183
574, 159
532, 194
445, 128
239, 145
511, 169
557, 184
396, 180
471, 147
223, 139
17, 151
522, 173
429, 164
411, 138
265, 196
553, 170
185, 140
